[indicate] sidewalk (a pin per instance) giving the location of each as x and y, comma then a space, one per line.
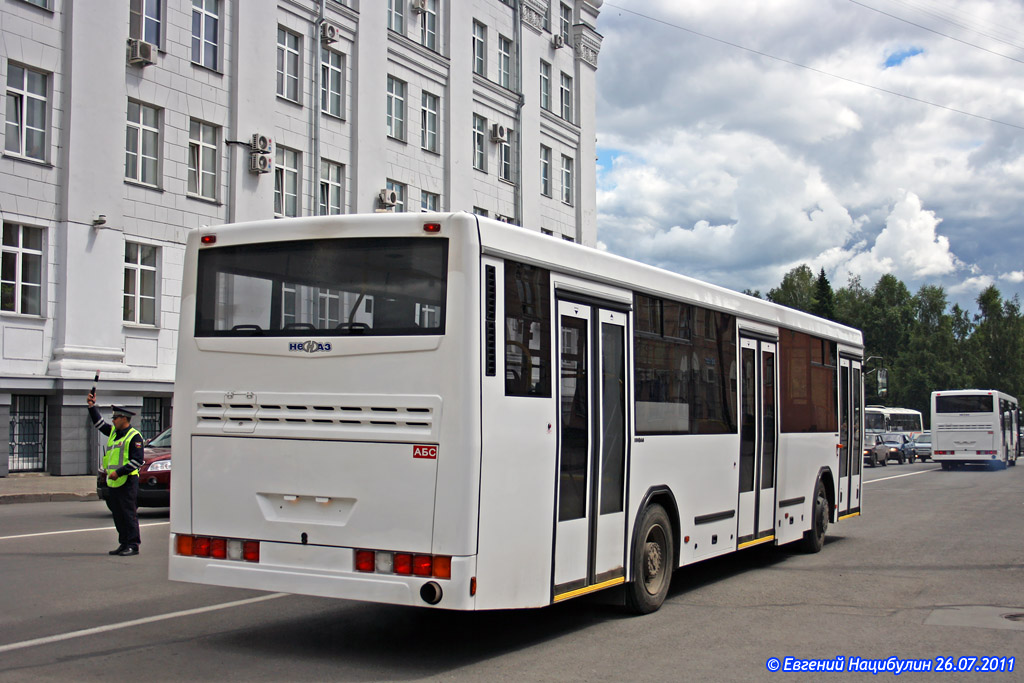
37, 487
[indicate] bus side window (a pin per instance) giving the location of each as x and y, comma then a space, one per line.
527, 330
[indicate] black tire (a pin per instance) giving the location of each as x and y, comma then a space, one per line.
885, 461
652, 561
1012, 463
945, 465
814, 538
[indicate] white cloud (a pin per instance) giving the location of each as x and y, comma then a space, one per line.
972, 285
1016, 276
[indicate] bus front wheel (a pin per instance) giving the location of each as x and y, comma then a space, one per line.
814, 538
652, 560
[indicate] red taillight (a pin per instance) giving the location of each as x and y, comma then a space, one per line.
364, 561
422, 565
184, 544
403, 563
443, 567
251, 551
219, 548
432, 227
208, 239
201, 546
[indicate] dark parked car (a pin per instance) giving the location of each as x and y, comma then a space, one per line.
920, 447
154, 475
886, 447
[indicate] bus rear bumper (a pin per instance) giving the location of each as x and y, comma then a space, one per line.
325, 572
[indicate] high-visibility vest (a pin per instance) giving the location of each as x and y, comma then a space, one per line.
116, 454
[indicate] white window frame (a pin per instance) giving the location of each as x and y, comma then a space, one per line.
545, 170
396, 16
566, 97
400, 191
479, 49
134, 277
430, 201
428, 26
479, 143
505, 159
565, 22
203, 139
429, 117
567, 180
21, 97
545, 85
16, 283
504, 62
332, 188
138, 131
207, 12
396, 108
332, 83
146, 20
286, 182
289, 64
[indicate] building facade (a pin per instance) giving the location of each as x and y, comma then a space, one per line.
128, 123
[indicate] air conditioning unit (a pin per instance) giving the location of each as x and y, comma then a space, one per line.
261, 144
498, 133
329, 32
260, 163
387, 197
419, 6
557, 41
141, 53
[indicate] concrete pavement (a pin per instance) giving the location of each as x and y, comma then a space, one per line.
38, 487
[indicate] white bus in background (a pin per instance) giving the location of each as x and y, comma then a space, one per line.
883, 419
445, 410
972, 426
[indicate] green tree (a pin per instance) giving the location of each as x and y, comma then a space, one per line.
796, 289
824, 303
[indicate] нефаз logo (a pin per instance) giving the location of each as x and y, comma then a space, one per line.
309, 346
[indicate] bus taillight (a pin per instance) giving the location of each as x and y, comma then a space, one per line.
217, 548
432, 228
403, 564
364, 561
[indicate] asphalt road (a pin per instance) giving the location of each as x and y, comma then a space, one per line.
929, 571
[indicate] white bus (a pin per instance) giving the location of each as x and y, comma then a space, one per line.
973, 426
882, 419
445, 410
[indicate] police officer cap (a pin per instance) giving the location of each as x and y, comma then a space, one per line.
121, 411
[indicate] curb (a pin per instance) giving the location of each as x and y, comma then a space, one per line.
10, 498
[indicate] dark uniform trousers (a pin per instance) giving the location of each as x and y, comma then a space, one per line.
121, 503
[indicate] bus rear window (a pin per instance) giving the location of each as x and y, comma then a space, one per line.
963, 404
357, 286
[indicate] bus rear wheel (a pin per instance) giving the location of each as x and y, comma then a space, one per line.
651, 561
814, 538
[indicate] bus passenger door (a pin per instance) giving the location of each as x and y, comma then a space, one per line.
850, 446
591, 526
759, 441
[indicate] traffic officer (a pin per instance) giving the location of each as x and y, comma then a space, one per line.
122, 458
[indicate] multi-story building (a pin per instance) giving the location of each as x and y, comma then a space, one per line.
130, 122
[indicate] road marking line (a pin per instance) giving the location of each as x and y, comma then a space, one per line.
75, 531
897, 476
137, 622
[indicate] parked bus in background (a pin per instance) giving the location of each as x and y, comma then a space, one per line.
445, 410
882, 419
972, 426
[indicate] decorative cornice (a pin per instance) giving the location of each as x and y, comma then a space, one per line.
533, 17
587, 44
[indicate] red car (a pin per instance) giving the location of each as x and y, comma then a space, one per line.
154, 475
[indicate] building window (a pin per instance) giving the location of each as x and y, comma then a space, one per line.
139, 284
27, 450
430, 201
152, 422
25, 125
504, 62
286, 182
428, 25
202, 159
429, 112
545, 171
45, 4
566, 23
332, 79
399, 190
567, 180
396, 108
144, 20
21, 275
142, 144
505, 158
567, 97
479, 49
396, 15
480, 211
545, 85
479, 137
205, 32
287, 65
332, 188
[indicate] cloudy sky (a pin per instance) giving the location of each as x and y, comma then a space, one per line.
740, 138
